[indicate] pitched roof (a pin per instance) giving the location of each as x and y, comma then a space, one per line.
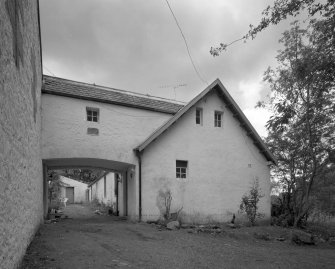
231, 104
79, 90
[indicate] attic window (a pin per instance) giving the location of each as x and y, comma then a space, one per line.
92, 114
198, 116
181, 169
218, 115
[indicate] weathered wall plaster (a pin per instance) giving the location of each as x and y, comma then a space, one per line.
21, 177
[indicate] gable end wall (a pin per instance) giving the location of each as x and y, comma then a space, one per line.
218, 167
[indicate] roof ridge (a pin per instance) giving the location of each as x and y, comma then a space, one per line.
131, 93
232, 105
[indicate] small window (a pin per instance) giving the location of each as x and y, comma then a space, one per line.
198, 116
181, 169
218, 118
92, 114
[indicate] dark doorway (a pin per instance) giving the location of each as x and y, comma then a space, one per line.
70, 194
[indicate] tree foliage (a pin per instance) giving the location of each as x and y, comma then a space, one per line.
323, 196
85, 175
54, 186
302, 99
282, 9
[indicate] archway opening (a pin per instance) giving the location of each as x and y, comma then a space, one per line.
106, 186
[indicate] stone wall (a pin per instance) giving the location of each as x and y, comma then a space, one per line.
21, 184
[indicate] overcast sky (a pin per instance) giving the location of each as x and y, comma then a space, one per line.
136, 45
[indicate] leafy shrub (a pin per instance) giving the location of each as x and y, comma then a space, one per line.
249, 203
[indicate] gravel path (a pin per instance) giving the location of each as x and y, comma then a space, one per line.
92, 241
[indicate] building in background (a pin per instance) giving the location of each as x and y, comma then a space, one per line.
74, 190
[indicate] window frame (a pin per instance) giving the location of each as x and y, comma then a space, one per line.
218, 123
181, 170
200, 116
90, 111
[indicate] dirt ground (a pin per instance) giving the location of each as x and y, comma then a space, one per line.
87, 240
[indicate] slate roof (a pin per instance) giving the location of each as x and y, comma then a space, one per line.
79, 90
231, 104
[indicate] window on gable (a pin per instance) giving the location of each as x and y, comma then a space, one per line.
198, 116
92, 114
181, 169
218, 115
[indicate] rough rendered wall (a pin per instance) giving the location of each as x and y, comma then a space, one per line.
222, 163
21, 184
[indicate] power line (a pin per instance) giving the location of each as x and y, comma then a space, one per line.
188, 50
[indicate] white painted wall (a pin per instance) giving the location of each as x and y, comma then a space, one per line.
218, 158
218, 172
99, 194
79, 189
121, 129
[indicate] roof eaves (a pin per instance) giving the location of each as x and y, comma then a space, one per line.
246, 124
96, 99
172, 120
104, 174
232, 106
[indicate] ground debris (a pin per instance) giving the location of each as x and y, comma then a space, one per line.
98, 212
302, 238
173, 225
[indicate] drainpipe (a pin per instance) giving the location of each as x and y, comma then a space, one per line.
138, 154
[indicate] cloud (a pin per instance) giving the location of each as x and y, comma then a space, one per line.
136, 45
258, 118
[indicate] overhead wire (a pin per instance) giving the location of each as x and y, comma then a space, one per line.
186, 44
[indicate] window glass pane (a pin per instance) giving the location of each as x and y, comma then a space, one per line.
198, 116
217, 119
92, 114
181, 169
181, 163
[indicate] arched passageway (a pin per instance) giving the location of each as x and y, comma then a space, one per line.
125, 183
